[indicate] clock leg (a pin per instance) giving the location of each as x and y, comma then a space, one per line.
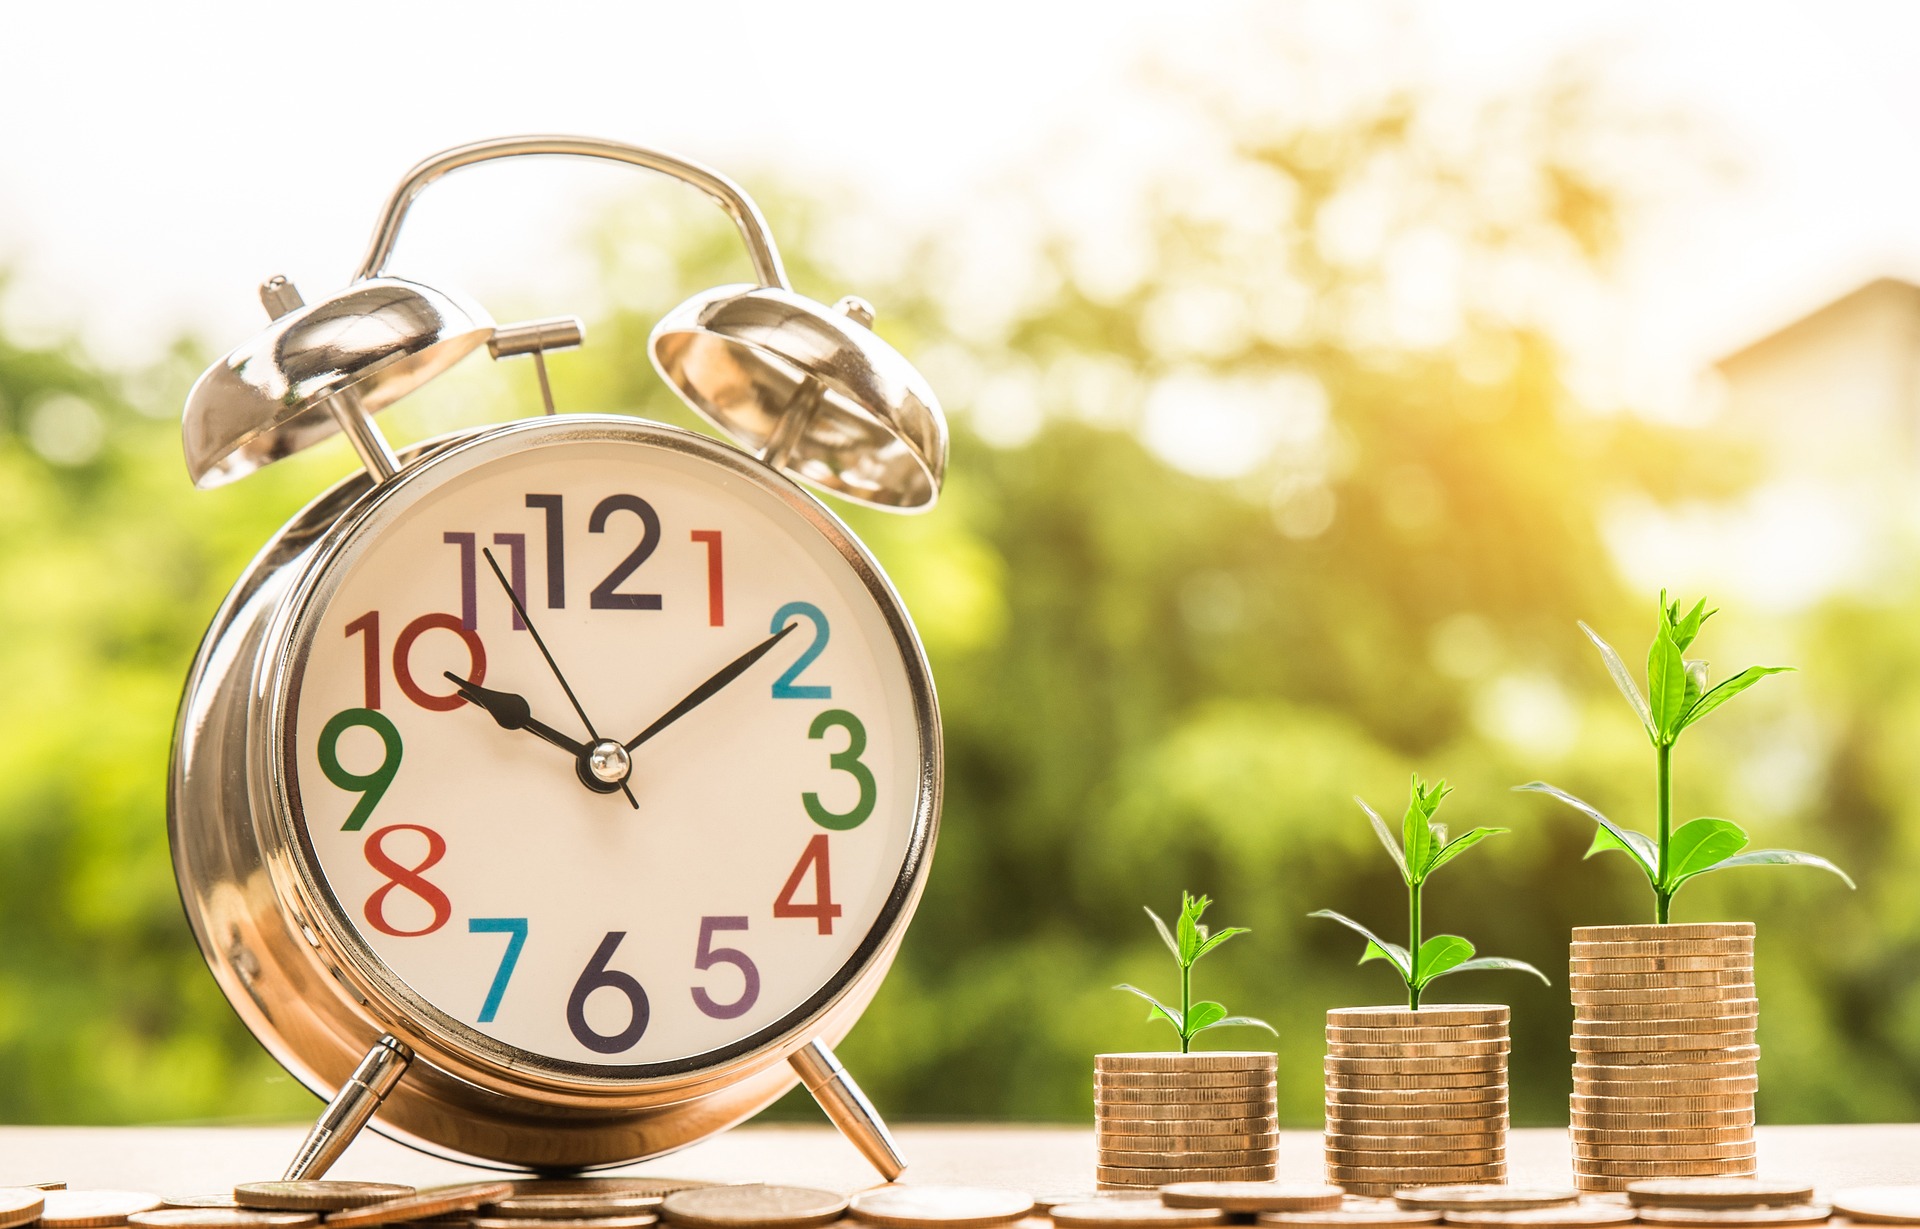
848, 1108
351, 1109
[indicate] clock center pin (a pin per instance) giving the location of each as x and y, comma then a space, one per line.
609, 762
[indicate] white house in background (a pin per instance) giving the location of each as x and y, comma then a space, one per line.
1835, 395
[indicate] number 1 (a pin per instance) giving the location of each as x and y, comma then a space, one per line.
516, 930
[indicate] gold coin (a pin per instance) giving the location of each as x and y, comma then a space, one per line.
1675, 998
1374, 1215
1356, 1142
1418, 1049
1666, 1043
1879, 1204
943, 1207
1423, 1128
1124, 1213
87, 1209
1718, 1193
1742, 1022
1681, 1009
1658, 1121
1417, 1158
636, 1220
1403, 1110
1160, 1177
1803, 1214
20, 1205
222, 1218
1586, 1214
1210, 1060
1252, 1196
1653, 1136
1424, 1017
1705, 1064
1183, 1096
1182, 1079
1735, 1168
1105, 1111
1422, 1081
758, 1205
316, 1196
1187, 1143
1584, 980
1187, 1160
1199, 1127
1418, 1066
1443, 1034
1482, 1095
1660, 947
435, 1201
560, 1206
1628, 1150
1042, 1204
1485, 1198
604, 1186
1404, 1177
1663, 931
1663, 965
1666, 1102
222, 1200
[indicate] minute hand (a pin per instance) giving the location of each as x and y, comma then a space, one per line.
705, 691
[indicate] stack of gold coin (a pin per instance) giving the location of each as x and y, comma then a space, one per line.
1416, 1097
1161, 1118
1665, 1062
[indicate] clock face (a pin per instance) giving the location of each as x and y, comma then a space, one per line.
663, 867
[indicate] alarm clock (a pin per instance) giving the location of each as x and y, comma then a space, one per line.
556, 794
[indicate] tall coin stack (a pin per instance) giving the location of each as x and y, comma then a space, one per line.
1416, 1097
1665, 1063
1161, 1118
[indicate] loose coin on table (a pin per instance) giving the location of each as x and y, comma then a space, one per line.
1795, 1214
1484, 1198
755, 1204
221, 1199
93, 1209
1123, 1213
1890, 1205
435, 1201
944, 1207
576, 1206
1042, 1204
318, 1196
1371, 1213
1717, 1193
1252, 1196
222, 1218
20, 1205
1583, 1215
637, 1220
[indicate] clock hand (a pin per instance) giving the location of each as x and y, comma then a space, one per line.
521, 610
512, 713
705, 691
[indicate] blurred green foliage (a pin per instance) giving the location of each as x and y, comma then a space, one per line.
1153, 680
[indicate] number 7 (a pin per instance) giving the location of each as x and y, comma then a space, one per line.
516, 927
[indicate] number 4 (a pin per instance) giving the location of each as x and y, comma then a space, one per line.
822, 910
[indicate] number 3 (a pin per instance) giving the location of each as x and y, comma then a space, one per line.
847, 761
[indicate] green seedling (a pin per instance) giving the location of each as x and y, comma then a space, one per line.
1423, 848
1188, 942
1677, 696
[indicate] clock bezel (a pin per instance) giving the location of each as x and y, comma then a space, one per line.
383, 992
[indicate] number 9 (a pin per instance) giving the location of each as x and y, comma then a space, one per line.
372, 786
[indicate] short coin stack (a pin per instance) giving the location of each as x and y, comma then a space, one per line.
1162, 1118
1416, 1097
1665, 1062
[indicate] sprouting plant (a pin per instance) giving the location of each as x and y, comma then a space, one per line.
1423, 848
1188, 942
1677, 696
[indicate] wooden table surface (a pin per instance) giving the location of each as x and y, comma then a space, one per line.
190, 1160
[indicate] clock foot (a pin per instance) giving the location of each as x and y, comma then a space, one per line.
848, 1108
351, 1109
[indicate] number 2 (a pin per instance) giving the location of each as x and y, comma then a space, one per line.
787, 686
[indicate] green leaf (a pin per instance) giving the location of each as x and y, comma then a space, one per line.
1156, 1008
1700, 843
1460, 844
1439, 954
1479, 963
1216, 939
1416, 833
1622, 678
1385, 834
1728, 690
1189, 926
1643, 850
1684, 630
1164, 932
1666, 687
1770, 857
1204, 1014
1243, 1021
1380, 949
1638, 845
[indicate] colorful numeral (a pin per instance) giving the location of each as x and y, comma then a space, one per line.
821, 909
788, 686
403, 651
371, 786
411, 878
847, 761
716, 581
515, 928
597, 976
604, 596
705, 956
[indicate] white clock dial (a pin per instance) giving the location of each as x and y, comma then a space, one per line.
610, 919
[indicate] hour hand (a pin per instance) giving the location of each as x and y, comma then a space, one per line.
511, 712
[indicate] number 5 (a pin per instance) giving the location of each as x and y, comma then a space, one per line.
705, 957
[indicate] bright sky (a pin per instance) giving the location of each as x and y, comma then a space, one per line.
157, 160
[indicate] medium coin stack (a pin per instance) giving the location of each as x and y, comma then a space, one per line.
1416, 1097
1161, 1118
1665, 1062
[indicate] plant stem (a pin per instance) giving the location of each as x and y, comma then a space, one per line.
1186, 1005
1413, 952
1663, 759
